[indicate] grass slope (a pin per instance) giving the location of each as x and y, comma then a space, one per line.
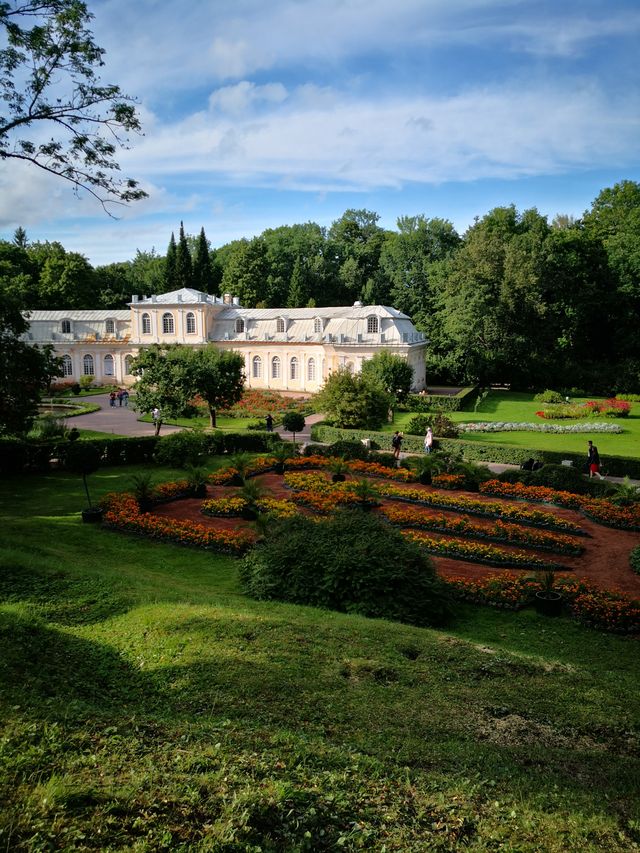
148, 705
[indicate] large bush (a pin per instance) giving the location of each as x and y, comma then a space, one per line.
181, 449
441, 425
353, 401
353, 562
549, 397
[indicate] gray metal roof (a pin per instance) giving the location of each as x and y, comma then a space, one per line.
77, 314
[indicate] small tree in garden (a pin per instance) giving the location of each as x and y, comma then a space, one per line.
353, 401
84, 459
293, 422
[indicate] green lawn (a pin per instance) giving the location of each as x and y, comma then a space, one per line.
147, 705
510, 406
223, 423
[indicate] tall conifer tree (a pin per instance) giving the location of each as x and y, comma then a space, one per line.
202, 273
170, 264
184, 272
298, 289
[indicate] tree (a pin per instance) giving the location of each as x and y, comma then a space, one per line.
202, 276
293, 422
49, 84
170, 377
25, 371
298, 290
170, 264
393, 372
245, 271
183, 261
20, 237
353, 401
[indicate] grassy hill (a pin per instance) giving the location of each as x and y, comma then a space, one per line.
148, 705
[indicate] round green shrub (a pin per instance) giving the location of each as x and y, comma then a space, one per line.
441, 425
354, 562
561, 477
549, 396
349, 449
181, 449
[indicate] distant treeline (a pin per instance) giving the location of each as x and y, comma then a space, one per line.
516, 299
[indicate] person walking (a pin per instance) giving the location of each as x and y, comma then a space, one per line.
157, 420
396, 444
593, 461
269, 421
120, 396
112, 399
428, 440
125, 398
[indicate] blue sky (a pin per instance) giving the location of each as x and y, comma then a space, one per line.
263, 114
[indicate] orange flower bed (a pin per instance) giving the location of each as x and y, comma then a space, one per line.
122, 513
499, 531
477, 552
599, 509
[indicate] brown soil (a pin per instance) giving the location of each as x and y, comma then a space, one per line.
605, 561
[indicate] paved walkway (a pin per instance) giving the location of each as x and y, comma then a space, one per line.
119, 420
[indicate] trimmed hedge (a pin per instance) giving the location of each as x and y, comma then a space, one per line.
634, 559
477, 451
440, 402
18, 455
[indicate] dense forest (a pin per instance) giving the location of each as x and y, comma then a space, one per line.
516, 299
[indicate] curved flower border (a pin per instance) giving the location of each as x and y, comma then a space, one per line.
477, 552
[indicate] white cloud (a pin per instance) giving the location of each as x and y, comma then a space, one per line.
238, 98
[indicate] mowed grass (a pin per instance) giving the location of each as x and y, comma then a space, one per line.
147, 705
513, 407
201, 422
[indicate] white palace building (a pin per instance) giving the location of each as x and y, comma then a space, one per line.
285, 349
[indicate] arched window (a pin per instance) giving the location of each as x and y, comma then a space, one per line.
87, 365
167, 324
67, 365
146, 324
317, 325
257, 367
108, 365
239, 326
191, 323
311, 370
127, 365
275, 367
372, 325
293, 368
279, 325
111, 327
65, 327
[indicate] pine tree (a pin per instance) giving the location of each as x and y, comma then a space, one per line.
20, 237
184, 273
202, 273
298, 290
170, 264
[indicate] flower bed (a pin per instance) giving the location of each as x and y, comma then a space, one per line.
476, 552
499, 426
448, 481
608, 611
611, 408
599, 509
122, 513
224, 476
233, 507
498, 532
459, 503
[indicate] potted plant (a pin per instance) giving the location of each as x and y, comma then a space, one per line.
367, 495
424, 467
281, 452
338, 467
548, 601
84, 458
197, 480
142, 488
241, 462
251, 491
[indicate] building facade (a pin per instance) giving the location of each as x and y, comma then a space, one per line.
285, 349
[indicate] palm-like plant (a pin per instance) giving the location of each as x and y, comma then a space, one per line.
281, 451
197, 480
242, 463
338, 467
366, 493
251, 492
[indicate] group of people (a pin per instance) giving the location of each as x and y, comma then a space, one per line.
121, 395
398, 438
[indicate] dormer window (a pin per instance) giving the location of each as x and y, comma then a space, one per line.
317, 326
65, 327
372, 326
110, 327
191, 323
146, 324
280, 326
239, 326
167, 324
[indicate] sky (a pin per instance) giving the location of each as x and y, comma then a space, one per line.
260, 114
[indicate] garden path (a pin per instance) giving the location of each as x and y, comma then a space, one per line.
118, 420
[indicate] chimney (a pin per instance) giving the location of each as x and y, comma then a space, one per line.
227, 299
135, 297
179, 297
236, 300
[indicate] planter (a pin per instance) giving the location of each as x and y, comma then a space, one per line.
236, 480
549, 603
199, 491
92, 515
338, 478
249, 514
425, 479
279, 468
